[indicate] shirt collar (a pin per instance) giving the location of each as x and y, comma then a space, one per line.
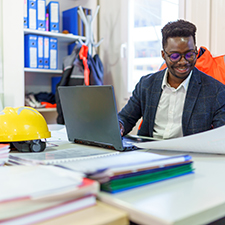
184, 83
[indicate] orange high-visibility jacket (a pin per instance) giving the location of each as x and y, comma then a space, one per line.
213, 66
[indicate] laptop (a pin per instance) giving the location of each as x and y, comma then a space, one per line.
90, 116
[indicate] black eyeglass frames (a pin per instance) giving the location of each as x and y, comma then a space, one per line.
176, 56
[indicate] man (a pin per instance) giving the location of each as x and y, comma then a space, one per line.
179, 100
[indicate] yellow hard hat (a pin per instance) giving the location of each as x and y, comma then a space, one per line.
22, 124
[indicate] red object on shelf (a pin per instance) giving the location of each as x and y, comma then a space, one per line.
48, 105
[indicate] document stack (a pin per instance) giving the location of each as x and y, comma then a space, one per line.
4, 153
32, 194
132, 169
115, 171
39, 16
41, 52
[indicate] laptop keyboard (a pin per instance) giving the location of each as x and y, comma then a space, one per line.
129, 146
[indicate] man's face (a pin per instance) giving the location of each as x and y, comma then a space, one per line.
179, 70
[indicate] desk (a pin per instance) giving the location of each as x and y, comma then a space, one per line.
188, 200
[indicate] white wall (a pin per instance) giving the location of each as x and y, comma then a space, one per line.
12, 52
199, 12
113, 18
217, 28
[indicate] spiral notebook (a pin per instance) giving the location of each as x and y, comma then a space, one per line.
59, 156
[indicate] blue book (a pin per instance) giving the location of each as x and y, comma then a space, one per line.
30, 50
32, 14
53, 53
46, 52
25, 14
41, 13
40, 54
53, 11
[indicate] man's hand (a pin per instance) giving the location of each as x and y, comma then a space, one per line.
121, 129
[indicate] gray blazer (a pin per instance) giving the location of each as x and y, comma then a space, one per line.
204, 105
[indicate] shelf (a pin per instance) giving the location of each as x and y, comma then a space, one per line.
60, 36
26, 69
46, 109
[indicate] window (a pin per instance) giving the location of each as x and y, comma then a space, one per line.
146, 19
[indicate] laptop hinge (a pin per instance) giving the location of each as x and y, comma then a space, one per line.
93, 143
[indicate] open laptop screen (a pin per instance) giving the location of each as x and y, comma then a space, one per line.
90, 115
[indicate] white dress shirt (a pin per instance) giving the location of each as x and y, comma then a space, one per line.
168, 120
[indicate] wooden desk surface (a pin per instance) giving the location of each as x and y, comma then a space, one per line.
99, 214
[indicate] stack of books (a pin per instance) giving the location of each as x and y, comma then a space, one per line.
132, 169
32, 194
4, 153
115, 171
121, 178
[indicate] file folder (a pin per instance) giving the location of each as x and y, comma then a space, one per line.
30, 51
40, 54
41, 11
25, 13
55, 81
32, 14
71, 20
46, 52
53, 11
53, 53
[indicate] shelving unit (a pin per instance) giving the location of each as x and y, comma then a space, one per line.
37, 80
26, 69
18, 80
47, 110
68, 38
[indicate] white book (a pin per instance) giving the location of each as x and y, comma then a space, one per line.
31, 194
36, 181
35, 212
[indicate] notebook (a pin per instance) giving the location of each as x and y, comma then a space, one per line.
90, 116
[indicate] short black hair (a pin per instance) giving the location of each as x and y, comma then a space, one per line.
179, 28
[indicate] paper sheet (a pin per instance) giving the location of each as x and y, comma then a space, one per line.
58, 135
212, 141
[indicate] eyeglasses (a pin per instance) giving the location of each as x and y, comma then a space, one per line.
176, 57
